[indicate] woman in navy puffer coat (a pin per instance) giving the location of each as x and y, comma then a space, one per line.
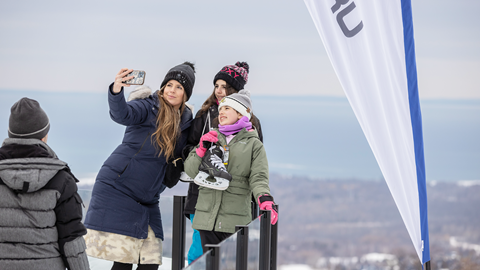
123, 220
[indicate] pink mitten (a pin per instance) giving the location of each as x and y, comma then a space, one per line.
265, 202
207, 137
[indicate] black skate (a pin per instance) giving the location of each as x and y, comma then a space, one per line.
212, 172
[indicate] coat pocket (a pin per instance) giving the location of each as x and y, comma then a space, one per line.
206, 199
121, 176
236, 201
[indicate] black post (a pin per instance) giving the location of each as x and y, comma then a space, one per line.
242, 247
254, 209
265, 240
178, 233
274, 243
427, 265
213, 258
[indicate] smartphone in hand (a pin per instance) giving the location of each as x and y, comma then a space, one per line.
138, 79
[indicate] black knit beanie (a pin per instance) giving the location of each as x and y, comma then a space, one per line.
184, 74
28, 120
235, 75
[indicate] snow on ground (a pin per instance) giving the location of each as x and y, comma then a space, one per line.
454, 242
86, 180
468, 183
295, 267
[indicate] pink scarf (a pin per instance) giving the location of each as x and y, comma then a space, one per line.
235, 128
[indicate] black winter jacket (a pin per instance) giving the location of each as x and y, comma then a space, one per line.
200, 126
40, 209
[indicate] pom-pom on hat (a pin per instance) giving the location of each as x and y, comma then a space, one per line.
235, 75
184, 74
28, 120
240, 102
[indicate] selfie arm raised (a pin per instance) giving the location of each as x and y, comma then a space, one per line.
120, 79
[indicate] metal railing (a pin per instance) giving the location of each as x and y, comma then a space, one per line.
247, 254
178, 233
252, 246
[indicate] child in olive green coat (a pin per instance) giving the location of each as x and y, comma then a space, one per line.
218, 211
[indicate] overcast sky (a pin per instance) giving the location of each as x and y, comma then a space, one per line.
80, 46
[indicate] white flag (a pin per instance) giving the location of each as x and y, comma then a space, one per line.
371, 47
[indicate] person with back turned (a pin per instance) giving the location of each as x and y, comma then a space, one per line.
40, 209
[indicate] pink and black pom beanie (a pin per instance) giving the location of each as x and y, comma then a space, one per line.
235, 75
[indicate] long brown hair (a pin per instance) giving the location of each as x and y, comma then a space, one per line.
212, 100
168, 126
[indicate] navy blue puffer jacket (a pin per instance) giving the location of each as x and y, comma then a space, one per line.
127, 190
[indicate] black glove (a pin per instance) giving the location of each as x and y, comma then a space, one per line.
172, 173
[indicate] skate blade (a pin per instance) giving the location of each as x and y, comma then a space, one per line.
219, 184
185, 178
201, 178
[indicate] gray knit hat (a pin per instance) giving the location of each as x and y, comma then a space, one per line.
28, 120
240, 102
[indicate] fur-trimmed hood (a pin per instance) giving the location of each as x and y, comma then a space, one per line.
141, 92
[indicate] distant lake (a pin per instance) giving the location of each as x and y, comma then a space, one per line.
310, 136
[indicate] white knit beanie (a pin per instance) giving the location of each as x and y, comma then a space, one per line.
240, 102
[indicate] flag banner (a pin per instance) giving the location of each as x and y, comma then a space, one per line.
371, 47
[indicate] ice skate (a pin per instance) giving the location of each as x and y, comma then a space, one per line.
185, 178
212, 172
